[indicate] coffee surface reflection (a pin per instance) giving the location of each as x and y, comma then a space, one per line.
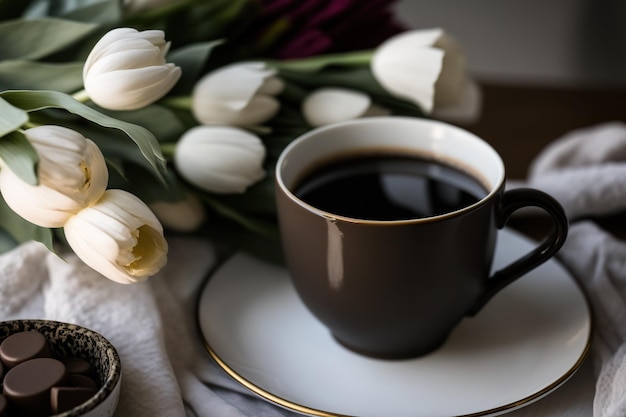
388, 187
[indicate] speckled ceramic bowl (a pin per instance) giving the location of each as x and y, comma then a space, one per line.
71, 340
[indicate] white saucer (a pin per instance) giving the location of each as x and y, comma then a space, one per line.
525, 343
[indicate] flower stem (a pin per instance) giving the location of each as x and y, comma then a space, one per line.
317, 63
179, 102
168, 149
29, 125
81, 96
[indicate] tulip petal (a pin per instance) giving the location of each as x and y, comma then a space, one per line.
51, 137
220, 159
82, 246
119, 237
453, 77
231, 183
40, 205
83, 180
271, 86
127, 70
183, 216
258, 110
134, 88
426, 67
234, 84
69, 163
127, 59
408, 40
72, 175
409, 76
239, 94
331, 105
105, 40
113, 39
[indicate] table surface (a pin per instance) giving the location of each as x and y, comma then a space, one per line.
520, 120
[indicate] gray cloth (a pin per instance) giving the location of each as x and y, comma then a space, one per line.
168, 373
586, 171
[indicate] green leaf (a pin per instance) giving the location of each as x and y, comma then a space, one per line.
11, 9
143, 138
22, 230
161, 11
293, 93
38, 38
7, 242
192, 21
358, 78
11, 118
317, 63
119, 152
280, 139
113, 144
253, 223
20, 156
232, 236
164, 122
143, 186
105, 11
258, 199
191, 59
33, 75
178, 102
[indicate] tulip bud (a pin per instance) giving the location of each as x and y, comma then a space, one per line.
126, 69
426, 67
72, 175
331, 105
220, 159
182, 216
119, 237
239, 94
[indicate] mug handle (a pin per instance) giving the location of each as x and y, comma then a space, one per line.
511, 201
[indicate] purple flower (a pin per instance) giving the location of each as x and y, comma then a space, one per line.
300, 28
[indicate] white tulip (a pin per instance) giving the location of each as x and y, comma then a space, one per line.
127, 70
332, 105
182, 216
72, 175
119, 237
240, 94
220, 159
426, 67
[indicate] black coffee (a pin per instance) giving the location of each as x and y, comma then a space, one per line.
388, 187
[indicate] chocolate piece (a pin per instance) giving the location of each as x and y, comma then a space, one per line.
76, 365
78, 380
20, 347
65, 398
27, 385
35, 386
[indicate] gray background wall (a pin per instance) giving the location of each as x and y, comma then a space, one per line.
566, 43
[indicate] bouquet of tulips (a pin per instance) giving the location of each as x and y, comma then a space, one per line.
121, 122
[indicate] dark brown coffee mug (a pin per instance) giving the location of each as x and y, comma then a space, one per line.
396, 288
